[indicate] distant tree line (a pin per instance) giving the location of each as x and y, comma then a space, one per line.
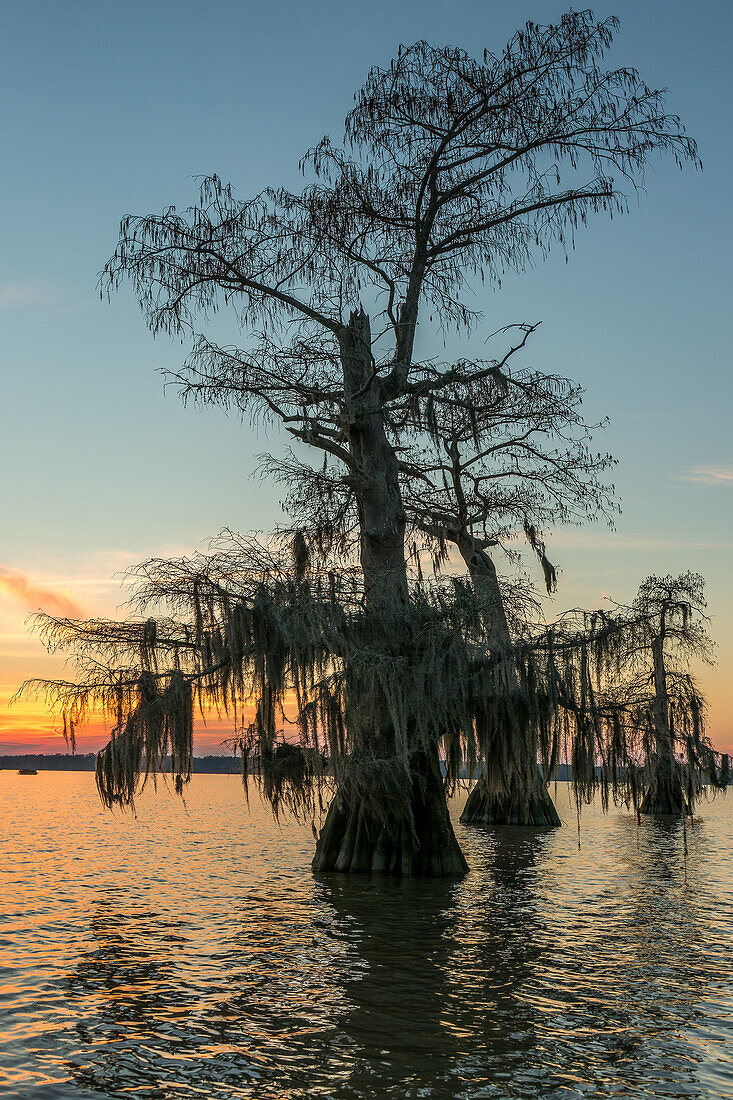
87, 762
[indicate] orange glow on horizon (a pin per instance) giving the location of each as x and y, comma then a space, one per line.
27, 727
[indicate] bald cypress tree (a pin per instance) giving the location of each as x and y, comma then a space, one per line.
661, 632
451, 168
507, 456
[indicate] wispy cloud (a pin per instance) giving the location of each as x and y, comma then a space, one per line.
709, 475
32, 595
611, 541
15, 294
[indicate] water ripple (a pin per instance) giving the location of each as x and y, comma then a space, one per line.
188, 952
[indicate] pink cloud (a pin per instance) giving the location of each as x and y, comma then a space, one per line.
709, 475
21, 588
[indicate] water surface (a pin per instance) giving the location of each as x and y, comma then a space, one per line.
188, 952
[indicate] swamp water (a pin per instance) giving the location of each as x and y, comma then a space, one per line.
189, 952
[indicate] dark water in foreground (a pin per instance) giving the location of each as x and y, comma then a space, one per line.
192, 954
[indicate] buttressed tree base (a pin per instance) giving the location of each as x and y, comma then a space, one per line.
510, 807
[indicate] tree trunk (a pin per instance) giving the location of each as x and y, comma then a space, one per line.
508, 791
510, 805
665, 796
376, 478
485, 583
365, 830
418, 840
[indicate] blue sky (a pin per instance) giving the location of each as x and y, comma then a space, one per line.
113, 108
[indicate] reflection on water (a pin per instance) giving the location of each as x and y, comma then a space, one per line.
190, 953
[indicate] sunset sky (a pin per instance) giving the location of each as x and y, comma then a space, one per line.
110, 109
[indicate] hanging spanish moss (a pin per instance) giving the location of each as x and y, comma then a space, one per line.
376, 715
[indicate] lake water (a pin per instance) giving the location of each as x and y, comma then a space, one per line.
189, 952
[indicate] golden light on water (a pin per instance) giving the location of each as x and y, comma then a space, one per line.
186, 949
